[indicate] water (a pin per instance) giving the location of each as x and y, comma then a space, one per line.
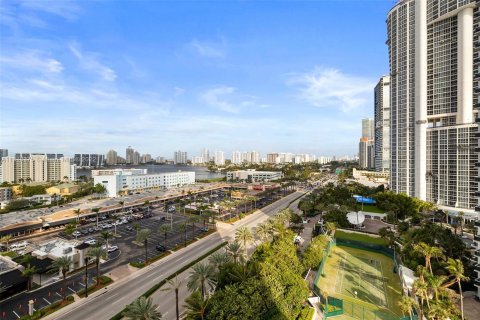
201, 173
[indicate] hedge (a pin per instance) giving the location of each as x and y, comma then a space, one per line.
104, 280
157, 286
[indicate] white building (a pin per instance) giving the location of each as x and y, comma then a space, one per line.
111, 157
219, 158
180, 157
251, 175
206, 155
197, 160
125, 180
37, 168
236, 157
433, 100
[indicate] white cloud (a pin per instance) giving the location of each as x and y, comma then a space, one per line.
67, 9
209, 50
90, 62
39, 90
31, 60
216, 98
334, 89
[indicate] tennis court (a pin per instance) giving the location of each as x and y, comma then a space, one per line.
363, 278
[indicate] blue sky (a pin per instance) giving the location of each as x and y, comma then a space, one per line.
271, 76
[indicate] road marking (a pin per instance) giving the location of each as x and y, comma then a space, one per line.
71, 290
59, 294
49, 303
16, 314
82, 284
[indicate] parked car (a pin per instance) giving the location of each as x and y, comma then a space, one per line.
90, 241
204, 229
129, 228
162, 219
91, 230
160, 247
76, 233
97, 228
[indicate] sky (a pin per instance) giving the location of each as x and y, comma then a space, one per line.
271, 76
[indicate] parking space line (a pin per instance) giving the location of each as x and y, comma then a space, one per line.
59, 294
49, 303
16, 314
71, 289
82, 284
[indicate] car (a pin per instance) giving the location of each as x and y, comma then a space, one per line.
160, 247
112, 248
91, 230
84, 231
163, 219
204, 229
97, 228
137, 192
129, 228
108, 226
76, 233
90, 241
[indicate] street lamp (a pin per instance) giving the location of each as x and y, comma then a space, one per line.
86, 276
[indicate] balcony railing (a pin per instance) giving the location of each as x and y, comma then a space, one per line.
476, 238
477, 222
477, 282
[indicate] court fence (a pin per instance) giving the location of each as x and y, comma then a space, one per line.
332, 306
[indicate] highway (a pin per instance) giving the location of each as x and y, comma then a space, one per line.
109, 301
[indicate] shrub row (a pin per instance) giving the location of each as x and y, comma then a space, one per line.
104, 280
49, 309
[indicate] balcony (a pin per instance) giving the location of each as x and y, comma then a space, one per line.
477, 120
477, 209
477, 253
476, 105
477, 222
476, 179
477, 282
476, 238
477, 164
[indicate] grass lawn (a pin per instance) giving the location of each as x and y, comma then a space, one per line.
365, 282
371, 208
359, 237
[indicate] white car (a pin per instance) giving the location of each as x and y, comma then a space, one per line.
90, 241
112, 248
76, 233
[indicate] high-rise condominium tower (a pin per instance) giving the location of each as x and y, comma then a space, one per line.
368, 128
179, 157
382, 124
431, 77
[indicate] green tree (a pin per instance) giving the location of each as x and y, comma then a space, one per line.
219, 259
136, 227
262, 232
78, 212
234, 248
331, 227
196, 306
182, 228
406, 305
143, 236
313, 255
62, 265
173, 286
142, 309
163, 229
28, 273
244, 236
201, 275
97, 253
428, 252
456, 270
6, 239
106, 235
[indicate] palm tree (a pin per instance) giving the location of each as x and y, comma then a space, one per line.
406, 305
201, 275
143, 236
244, 235
196, 306
182, 228
106, 235
233, 248
142, 309
436, 284
218, 259
6, 239
77, 213
70, 229
28, 273
331, 227
97, 211
193, 220
136, 227
122, 203
174, 286
420, 288
455, 268
461, 215
164, 230
62, 265
97, 253
428, 252
263, 231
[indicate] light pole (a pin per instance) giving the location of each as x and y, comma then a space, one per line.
86, 276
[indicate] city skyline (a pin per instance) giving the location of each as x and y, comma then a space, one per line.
77, 83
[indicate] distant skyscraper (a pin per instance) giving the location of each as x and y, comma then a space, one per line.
368, 128
129, 154
37, 168
3, 153
146, 158
236, 157
179, 157
382, 124
432, 61
89, 160
272, 157
205, 155
112, 157
219, 158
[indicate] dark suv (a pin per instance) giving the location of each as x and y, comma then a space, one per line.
160, 247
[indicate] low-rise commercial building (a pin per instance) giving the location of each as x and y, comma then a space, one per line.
63, 189
5, 193
121, 181
252, 175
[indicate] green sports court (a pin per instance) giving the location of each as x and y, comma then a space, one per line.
365, 282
